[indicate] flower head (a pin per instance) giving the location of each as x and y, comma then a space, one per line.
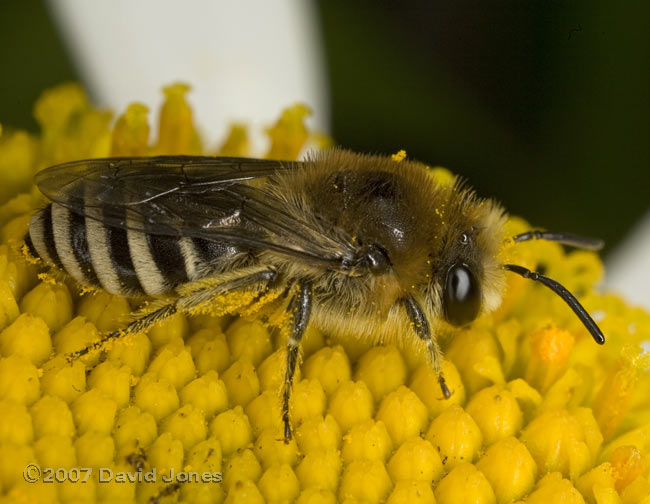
538, 411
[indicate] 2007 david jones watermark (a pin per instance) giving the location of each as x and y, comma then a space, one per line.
33, 473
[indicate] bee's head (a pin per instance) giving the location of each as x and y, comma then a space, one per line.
467, 276
469, 279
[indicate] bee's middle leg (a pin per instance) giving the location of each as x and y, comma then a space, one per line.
422, 329
300, 310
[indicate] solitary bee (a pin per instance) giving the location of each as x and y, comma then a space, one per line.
356, 245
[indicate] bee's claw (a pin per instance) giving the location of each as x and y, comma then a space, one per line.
443, 386
287, 432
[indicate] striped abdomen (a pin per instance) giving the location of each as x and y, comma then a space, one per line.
121, 261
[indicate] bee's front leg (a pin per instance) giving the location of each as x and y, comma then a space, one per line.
422, 329
299, 311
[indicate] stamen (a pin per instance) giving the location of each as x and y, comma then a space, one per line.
613, 401
627, 465
550, 349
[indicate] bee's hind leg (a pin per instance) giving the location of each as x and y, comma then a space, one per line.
138, 325
299, 310
422, 329
192, 298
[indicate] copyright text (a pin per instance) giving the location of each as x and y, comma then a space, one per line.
33, 473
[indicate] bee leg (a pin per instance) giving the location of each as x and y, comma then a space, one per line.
192, 299
422, 329
300, 309
136, 326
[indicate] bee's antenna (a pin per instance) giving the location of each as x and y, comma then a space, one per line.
568, 298
573, 240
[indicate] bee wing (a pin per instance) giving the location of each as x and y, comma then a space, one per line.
116, 179
194, 196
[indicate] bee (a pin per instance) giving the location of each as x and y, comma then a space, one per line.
355, 245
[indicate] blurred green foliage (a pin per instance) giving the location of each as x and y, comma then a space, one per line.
32, 58
544, 105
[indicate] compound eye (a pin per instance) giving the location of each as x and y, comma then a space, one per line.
461, 297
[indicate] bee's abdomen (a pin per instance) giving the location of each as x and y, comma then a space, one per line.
119, 260
40, 239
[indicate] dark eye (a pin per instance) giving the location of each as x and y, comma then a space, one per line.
461, 297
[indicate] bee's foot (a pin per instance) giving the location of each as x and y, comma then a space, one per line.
443, 386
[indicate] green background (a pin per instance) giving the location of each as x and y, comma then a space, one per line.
544, 105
